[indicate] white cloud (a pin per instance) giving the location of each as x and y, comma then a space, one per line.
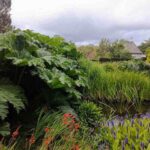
85, 20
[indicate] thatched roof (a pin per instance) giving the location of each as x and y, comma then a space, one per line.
131, 47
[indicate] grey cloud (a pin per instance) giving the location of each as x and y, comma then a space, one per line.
78, 28
88, 28
81, 28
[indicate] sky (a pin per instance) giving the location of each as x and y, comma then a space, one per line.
85, 21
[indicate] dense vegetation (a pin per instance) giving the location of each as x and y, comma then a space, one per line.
105, 49
116, 85
53, 98
35, 69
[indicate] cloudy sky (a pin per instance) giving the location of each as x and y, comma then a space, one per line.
85, 21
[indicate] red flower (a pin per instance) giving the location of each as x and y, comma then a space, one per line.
46, 129
32, 139
72, 121
67, 115
15, 133
69, 120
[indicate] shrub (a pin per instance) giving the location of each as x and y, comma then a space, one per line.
39, 68
90, 113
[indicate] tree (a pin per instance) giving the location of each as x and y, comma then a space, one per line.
5, 20
144, 46
88, 51
104, 48
118, 51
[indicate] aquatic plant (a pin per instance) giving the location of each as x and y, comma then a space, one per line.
115, 86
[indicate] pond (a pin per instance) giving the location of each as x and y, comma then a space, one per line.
122, 109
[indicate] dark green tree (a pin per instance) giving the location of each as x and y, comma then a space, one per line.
5, 19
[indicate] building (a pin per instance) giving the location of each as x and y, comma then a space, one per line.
133, 50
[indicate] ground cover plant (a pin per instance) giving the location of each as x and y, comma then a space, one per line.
128, 133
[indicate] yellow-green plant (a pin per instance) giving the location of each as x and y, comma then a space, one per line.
148, 55
128, 134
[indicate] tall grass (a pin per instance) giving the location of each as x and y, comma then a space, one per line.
116, 85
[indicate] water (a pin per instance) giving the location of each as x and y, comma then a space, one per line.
126, 109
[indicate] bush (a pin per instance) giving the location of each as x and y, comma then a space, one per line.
90, 113
38, 68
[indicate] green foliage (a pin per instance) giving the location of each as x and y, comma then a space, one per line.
89, 51
46, 119
52, 59
148, 55
4, 129
90, 113
135, 66
120, 86
44, 67
129, 134
104, 48
51, 133
10, 94
145, 45
118, 51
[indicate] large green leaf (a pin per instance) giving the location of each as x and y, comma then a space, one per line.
10, 94
4, 129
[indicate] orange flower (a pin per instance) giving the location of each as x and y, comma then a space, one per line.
67, 115
76, 147
48, 140
69, 120
15, 133
32, 139
46, 129
65, 121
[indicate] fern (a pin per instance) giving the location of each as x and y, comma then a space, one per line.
4, 129
10, 94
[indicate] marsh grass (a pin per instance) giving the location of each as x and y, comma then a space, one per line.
116, 86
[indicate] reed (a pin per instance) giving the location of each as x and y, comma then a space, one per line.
116, 85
